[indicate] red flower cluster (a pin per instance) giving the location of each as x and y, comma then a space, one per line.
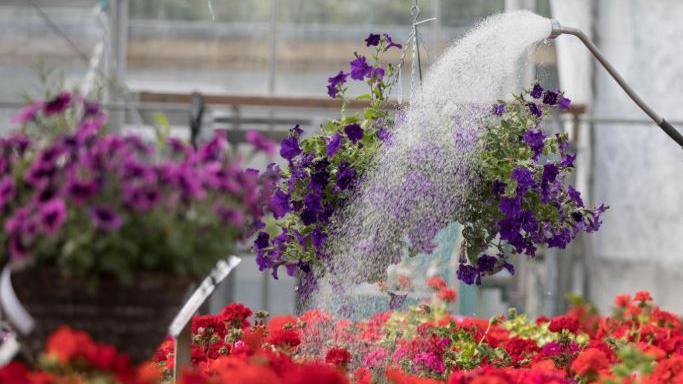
236, 315
67, 349
440, 288
67, 346
639, 343
339, 357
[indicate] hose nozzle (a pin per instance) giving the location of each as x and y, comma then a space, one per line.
556, 29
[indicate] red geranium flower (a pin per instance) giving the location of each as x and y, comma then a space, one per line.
590, 362
338, 356
668, 371
362, 376
287, 338
209, 325
68, 345
622, 301
559, 323
643, 296
448, 295
316, 374
235, 315
436, 283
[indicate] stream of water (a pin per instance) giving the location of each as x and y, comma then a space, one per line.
420, 178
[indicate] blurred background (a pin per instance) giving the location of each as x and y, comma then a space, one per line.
264, 64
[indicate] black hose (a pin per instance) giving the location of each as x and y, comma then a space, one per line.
672, 132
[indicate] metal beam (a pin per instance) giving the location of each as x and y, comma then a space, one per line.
51, 3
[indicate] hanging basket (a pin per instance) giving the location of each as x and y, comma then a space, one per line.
133, 318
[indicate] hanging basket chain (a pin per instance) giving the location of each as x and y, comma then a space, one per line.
411, 43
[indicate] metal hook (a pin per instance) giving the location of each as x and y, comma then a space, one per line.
415, 11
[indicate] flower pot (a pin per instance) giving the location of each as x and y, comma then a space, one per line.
134, 318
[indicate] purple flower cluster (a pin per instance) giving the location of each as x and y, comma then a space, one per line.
304, 195
322, 172
359, 69
535, 206
89, 180
53, 106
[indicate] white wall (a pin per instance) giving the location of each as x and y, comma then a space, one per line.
637, 169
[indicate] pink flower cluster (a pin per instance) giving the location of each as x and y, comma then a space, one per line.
121, 194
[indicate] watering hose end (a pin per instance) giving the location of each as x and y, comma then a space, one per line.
556, 29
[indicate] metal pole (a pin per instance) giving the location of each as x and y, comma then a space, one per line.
117, 55
272, 62
272, 75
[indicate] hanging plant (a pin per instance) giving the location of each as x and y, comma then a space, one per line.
323, 170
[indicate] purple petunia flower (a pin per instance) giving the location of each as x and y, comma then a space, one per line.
296, 131
52, 215
312, 201
279, 204
260, 142
575, 196
19, 142
354, 132
372, 40
334, 82
509, 267
360, 68
528, 221
262, 241
17, 249
7, 190
308, 216
550, 98
229, 216
289, 148
499, 109
320, 174
534, 109
384, 134
486, 263
58, 104
524, 178
537, 91
318, 238
498, 187
91, 108
105, 218
467, 274
509, 229
144, 198
564, 103
390, 43
212, 150
333, 144
345, 176
511, 207
534, 138
550, 173
568, 161
80, 190
178, 147
377, 74
595, 222
27, 113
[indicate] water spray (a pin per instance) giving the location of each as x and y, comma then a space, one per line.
558, 29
